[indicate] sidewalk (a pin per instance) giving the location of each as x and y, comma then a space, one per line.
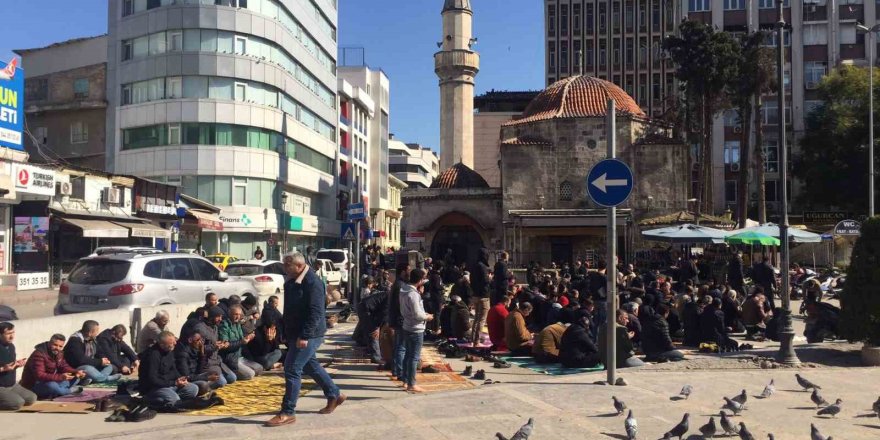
13, 298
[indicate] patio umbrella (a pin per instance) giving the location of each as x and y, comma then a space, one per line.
685, 234
795, 235
752, 237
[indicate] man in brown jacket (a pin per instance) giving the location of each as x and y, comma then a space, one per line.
547, 343
753, 314
516, 334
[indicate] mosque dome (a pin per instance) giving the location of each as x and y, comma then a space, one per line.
459, 176
579, 97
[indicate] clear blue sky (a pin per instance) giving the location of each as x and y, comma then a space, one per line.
399, 36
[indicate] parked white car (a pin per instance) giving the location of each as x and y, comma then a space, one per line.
267, 275
339, 258
329, 273
136, 280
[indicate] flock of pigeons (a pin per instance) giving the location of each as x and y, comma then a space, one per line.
735, 405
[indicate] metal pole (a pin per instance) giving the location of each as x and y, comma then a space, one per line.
870, 38
786, 332
357, 251
611, 266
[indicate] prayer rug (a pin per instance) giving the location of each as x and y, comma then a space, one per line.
551, 369
260, 395
85, 396
58, 408
437, 382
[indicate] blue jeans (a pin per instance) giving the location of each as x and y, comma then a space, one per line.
171, 396
268, 360
299, 361
398, 353
374, 350
413, 342
228, 376
51, 390
95, 374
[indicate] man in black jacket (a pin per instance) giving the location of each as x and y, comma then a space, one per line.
712, 327
395, 319
764, 275
371, 317
81, 352
499, 282
459, 318
434, 302
265, 349
305, 324
193, 363
577, 349
111, 345
656, 342
209, 328
735, 272
481, 285
12, 395
159, 381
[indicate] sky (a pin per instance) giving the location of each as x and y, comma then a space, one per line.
397, 36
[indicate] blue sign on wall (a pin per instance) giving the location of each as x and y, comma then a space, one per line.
610, 183
11, 105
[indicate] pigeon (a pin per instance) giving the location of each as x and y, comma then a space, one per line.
734, 407
680, 429
818, 399
741, 398
523, 434
876, 406
815, 434
768, 390
618, 405
770, 437
744, 433
806, 384
832, 410
686, 391
709, 429
631, 425
728, 427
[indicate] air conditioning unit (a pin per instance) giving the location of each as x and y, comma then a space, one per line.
734, 166
737, 129
812, 85
64, 189
112, 195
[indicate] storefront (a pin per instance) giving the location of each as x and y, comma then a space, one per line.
246, 228
199, 223
157, 203
28, 237
305, 231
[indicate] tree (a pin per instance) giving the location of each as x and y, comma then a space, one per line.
860, 300
706, 61
755, 76
832, 163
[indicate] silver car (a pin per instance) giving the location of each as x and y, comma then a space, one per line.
136, 280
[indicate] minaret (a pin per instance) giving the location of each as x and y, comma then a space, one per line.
457, 65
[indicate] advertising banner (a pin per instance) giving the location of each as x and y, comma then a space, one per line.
11, 105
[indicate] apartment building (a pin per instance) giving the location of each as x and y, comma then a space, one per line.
356, 109
414, 164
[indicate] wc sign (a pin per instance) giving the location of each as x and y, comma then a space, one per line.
848, 227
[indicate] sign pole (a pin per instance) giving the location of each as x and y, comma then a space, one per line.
357, 272
611, 265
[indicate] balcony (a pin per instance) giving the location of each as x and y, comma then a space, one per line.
456, 61
852, 12
815, 12
344, 121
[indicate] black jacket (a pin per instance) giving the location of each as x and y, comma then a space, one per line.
480, 275
576, 348
305, 308
75, 352
598, 285
460, 318
260, 345
190, 362
7, 356
119, 353
435, 293
690, 319
373, 310
655, 333
464, 291
395, 319
210, 336
712, 325
763, 274
158, 370
735, 273
500, 280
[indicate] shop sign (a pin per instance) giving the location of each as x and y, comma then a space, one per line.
31, 281
159, 209
824, 217
848, 227
238, 221
11, 106
33, 180
415, 237
303, 224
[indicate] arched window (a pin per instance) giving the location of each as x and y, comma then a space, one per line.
565, 191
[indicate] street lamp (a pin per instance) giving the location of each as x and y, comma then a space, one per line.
870, 34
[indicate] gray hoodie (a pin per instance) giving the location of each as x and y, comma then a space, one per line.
412, 309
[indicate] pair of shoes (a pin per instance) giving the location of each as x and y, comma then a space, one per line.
490, 382
491, 358
471, 358
480, 375
117, 416
501, 364
332, 404
85, 382
468, 371
430, 369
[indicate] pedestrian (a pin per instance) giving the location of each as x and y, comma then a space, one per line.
481, 285
764, 275
499, 281
12, 395
305, 324
258, 254
735, 272
395, 320
414, 319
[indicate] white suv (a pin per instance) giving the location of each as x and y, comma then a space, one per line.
339, 258
133, 280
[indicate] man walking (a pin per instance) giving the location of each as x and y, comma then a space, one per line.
304, 325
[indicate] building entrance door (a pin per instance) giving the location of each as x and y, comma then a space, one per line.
560, 250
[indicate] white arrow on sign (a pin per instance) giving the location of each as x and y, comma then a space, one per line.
603, 182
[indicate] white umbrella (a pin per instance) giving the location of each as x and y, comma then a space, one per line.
795, 235
686, 233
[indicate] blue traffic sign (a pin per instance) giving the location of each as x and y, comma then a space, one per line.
347, 231
609, 183
356, 211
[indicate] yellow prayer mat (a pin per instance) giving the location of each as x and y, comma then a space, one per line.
260, 395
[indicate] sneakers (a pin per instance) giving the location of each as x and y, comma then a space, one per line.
74, 390
501, 364
85, 382
468, 371
480, 375
430, 369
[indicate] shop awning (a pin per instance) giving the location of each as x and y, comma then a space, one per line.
97, 228
145, 230
206, 220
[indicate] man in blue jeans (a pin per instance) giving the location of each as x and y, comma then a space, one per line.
395, 320
160, 382
304, 326
81, 352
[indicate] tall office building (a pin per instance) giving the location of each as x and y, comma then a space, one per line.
235, 101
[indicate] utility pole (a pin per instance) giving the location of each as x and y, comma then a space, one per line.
611, 261
786, 331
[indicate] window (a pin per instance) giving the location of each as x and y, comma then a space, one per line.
174, 134
565, 191
578, 56
771, 155
157, 43
629, 16
603, 53
240, 45
551, 66
178, 269
815, 34
79, 133
240, 92
153, 269
770, 4
175, 41
770, 112
589, 18
204, 270
771, 190
239, 191
699, 5
847, 33
731, 118
786, 37
36, 89
812, 105
615, 17
81, 88
576, 18
730, 190
551, 20
127, 50
174, 88
603, 16
127, 7
731, 152
563, 20
734, 5
563, 57
630, 52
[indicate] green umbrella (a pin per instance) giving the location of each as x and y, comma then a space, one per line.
752, 237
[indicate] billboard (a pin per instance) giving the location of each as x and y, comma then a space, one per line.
11, 105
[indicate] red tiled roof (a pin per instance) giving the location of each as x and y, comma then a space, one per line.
526, 140
459, 176
578, 97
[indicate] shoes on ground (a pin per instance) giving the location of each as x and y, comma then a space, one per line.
430, 369
76, 390
480, 375
501, 364
468, 371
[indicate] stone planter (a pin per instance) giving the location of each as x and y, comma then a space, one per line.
871, 355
